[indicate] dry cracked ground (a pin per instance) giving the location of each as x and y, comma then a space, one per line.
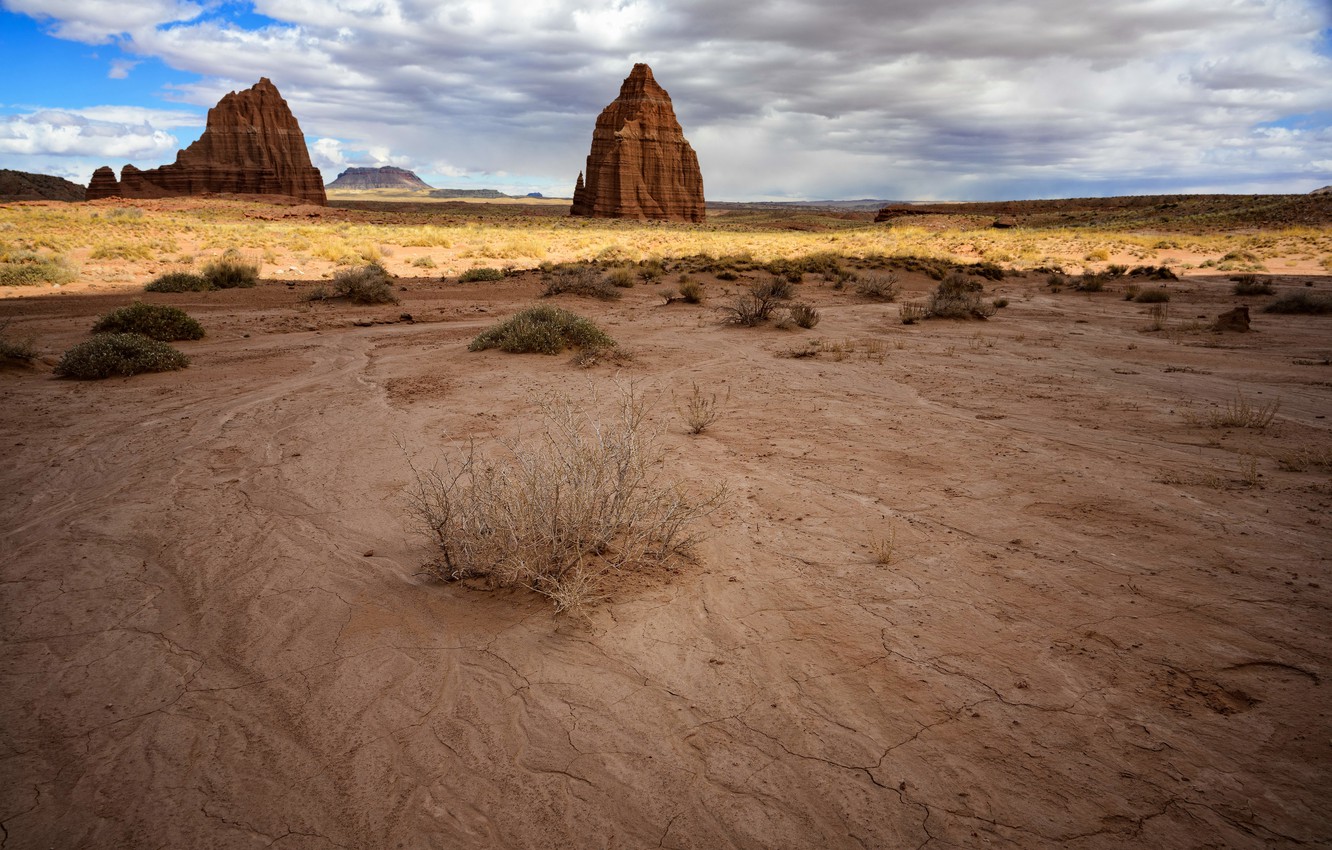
1102, 623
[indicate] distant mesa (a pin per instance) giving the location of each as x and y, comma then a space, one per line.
386, 177
468, 193
251, 145
22, 186
641, 166
534, 195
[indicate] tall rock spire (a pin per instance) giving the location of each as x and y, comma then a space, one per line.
641, 166
251, 144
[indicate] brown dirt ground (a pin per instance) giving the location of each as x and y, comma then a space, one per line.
1101, 626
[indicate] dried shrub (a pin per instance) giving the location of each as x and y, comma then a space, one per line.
231, 271
958, 297
368, 284
772, 289
804, 315
481, 273
1152, 296
155, 321
700, 409
579, 279
911, 313
542, 330
581, 501
748, 311
15, 349
691, 291
178, 282
1239, 413
1153, 273
1302, 301
31, 268
1251, 284
880, 286
111, 354
621, 278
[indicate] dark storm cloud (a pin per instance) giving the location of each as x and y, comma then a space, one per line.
893, 98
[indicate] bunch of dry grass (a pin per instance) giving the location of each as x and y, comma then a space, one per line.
958, 297
579, 279
561, 512
880, 286
1239, 413
700, 410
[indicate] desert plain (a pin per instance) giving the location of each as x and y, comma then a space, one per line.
1021, 582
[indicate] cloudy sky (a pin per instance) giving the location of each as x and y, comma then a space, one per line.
782, 99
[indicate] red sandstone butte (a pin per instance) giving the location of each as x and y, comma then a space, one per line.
641, 166
251, 145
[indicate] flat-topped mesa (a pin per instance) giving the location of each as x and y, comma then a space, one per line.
250, 145
641, 166
385, 177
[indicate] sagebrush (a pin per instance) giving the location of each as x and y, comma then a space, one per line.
560, 512
155, 321
542, 330
119, 354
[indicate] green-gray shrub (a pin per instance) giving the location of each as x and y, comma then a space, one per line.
231, 271
155, 321
368, 284
542, 329
178, 282
579, 279
1152, 296
958, 297
31, 268
481, 273
1302, 301
111, 354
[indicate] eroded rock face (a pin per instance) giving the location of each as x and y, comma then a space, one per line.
641, 166
387, 177
23, 186
1235, 321
251, 145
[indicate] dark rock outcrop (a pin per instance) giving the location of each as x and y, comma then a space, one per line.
1236, 320
22, 186
641, 166
386, 177
251, 145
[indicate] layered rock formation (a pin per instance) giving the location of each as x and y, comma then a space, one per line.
640, 166
387, 177
23, 186
251, 145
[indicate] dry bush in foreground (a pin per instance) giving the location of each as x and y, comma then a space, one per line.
542, 330
155, 321
231, 271
107, 355
881, 286
1240, 413
579, 279
14, 349
701, 410
562, 511
368, 284
1302, 301
958, 297
178, 282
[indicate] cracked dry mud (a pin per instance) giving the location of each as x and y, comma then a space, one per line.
215, 634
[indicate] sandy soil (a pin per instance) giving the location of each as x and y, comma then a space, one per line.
1101, 625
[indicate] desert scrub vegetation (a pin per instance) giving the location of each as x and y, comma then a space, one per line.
479, 274
803, 315
33, 268
155, 321
1158, 295
178, 281
957, 297
699, 410
231, 271
691, 291
876, 285
578, 279
542, 330
367, 284
1251, 284
1237, 413
757, 305
563, 511
15, 349
1302, 301
119, 354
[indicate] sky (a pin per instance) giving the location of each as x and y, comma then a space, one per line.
781, 99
